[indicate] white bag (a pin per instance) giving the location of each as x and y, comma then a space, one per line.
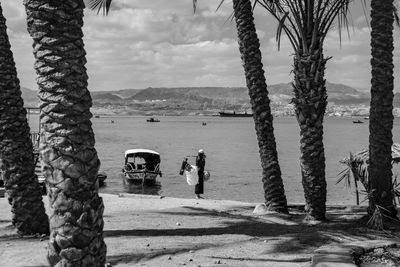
206, 176
191, 176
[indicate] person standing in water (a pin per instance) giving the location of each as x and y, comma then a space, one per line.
200, 163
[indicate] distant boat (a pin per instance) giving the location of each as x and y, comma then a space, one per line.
97, 116
358, 121
234, 114
153, 120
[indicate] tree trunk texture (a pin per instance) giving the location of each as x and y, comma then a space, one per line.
381, 108
310, 103
16, 150
70, 161
249, 47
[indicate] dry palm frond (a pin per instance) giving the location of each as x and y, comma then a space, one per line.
357, 170
359, 162
396, 189
376, 220
365, 194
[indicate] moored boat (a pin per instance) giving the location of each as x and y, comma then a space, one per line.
142, 166
234, 114
152, 120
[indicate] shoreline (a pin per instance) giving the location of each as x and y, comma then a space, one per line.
296, 205
108, 115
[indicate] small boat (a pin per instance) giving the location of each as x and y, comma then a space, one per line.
153, 120
358, 121
101, 177
142, 166
234, 114
97, 116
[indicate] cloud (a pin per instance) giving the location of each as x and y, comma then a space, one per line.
162, 43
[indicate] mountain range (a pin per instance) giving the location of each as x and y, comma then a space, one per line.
201, 100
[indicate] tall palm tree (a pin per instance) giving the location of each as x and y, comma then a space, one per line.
16, 151
70, 161
249, 47
381, 108
306, 24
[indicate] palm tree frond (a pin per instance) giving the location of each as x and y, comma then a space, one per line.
345, 175
100, 5
376, 220
194, 6
220, 4
396, 14
279, 31
303, 18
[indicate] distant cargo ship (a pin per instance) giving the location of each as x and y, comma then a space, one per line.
234, 114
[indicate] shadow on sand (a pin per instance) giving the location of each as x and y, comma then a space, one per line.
290, 235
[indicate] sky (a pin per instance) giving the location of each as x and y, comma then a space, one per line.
162, 43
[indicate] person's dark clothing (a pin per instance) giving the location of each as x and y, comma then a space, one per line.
200, 163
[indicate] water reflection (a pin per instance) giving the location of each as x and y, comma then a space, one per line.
132, 188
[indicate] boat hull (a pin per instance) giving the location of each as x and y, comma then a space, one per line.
138, 177
226, 114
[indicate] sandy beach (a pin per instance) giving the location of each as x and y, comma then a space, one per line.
143, 230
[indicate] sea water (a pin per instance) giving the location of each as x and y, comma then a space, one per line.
232, 154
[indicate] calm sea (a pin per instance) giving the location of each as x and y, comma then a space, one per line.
232, 154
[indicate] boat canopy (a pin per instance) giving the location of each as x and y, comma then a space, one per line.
138, 151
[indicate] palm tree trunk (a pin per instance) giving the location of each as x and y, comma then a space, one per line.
310, 103
249, 47
16, 151
70, 161
381, 109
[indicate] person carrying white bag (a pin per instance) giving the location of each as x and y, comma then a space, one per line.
190, 172
195, 175
200, 163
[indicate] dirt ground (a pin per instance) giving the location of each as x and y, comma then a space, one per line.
384, 257
152, 231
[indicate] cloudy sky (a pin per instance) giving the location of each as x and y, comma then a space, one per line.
161, 43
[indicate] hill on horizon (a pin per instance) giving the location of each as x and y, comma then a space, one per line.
206, 98
274, 89
282, 92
